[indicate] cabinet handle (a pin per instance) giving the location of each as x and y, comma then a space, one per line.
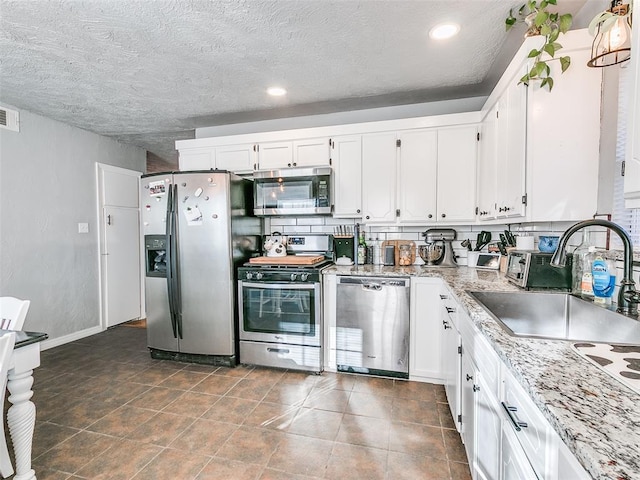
397, 212
295, 164
430, 216
443, 297
288, 164
108, 219
443, 215
450, 309
476, 388
445, 325
358, 211
511, 411
469, 378
367, 217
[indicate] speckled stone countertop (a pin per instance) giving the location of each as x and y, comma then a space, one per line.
597, 417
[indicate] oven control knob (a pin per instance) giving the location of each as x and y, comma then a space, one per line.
259, 276
304, 277
249, 275
294, 276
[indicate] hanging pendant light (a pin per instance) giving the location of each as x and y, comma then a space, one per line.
612, 42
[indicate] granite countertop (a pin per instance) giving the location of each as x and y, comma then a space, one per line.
596, 416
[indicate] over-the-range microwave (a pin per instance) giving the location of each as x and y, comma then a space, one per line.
292, 191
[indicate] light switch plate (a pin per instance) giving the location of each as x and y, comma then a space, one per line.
83, 228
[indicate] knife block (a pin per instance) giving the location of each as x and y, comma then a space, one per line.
344, 246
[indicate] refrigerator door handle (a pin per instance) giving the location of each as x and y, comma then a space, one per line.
169, 258
177, 294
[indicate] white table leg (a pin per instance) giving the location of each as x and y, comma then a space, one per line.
21, 419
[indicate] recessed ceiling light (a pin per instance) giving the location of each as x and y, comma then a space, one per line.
444, 31
276, 91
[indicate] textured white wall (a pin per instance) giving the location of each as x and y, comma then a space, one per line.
47, 186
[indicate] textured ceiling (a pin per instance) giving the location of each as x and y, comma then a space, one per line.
149, 72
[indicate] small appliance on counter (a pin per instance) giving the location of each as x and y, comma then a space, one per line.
532, 270
438, 249
344, 245
275, 245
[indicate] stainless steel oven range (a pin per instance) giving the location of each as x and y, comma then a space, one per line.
280, 306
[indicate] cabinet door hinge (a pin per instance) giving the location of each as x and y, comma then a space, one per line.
398, 142
622, 168
459, 418
460, 350
524, 199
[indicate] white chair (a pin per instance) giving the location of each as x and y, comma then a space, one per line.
7, 341
13, 311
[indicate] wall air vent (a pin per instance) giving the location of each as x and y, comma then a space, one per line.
9, 119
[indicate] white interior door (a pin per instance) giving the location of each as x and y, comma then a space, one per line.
122, 264
120, 246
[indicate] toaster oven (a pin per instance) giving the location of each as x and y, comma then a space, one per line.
532, 270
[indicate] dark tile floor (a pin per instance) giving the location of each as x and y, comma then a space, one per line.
106, 410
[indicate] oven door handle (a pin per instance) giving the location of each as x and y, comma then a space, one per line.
280, 286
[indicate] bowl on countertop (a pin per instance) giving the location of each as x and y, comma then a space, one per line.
548, 243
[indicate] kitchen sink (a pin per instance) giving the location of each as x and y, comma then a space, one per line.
558, 316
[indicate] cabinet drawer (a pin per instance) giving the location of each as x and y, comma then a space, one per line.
530, 427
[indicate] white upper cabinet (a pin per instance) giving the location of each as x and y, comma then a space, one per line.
274, 155
346, 157
502, 160
379, 177
456, 181
418, 170
512, 142
563, 137
632, 161
197, 159
488, 166
311, 152
297, 153
236, 158
420, 176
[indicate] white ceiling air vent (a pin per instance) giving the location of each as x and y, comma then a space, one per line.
9, 119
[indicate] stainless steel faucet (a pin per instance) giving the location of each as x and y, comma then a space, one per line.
628, 296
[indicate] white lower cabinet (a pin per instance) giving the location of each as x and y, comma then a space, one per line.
451, 355
425, 363
468, 410
514, 464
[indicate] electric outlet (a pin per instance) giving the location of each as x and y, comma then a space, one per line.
83, 228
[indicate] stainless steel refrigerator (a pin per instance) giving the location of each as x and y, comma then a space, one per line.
198, 227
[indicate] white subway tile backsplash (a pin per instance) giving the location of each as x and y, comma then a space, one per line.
279, 221
296, 229
338, 221
311, 221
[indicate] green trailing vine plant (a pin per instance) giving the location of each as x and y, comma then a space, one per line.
549, 25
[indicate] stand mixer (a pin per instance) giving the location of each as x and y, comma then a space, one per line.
438, 249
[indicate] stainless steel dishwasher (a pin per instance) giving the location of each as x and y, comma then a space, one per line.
372, 325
